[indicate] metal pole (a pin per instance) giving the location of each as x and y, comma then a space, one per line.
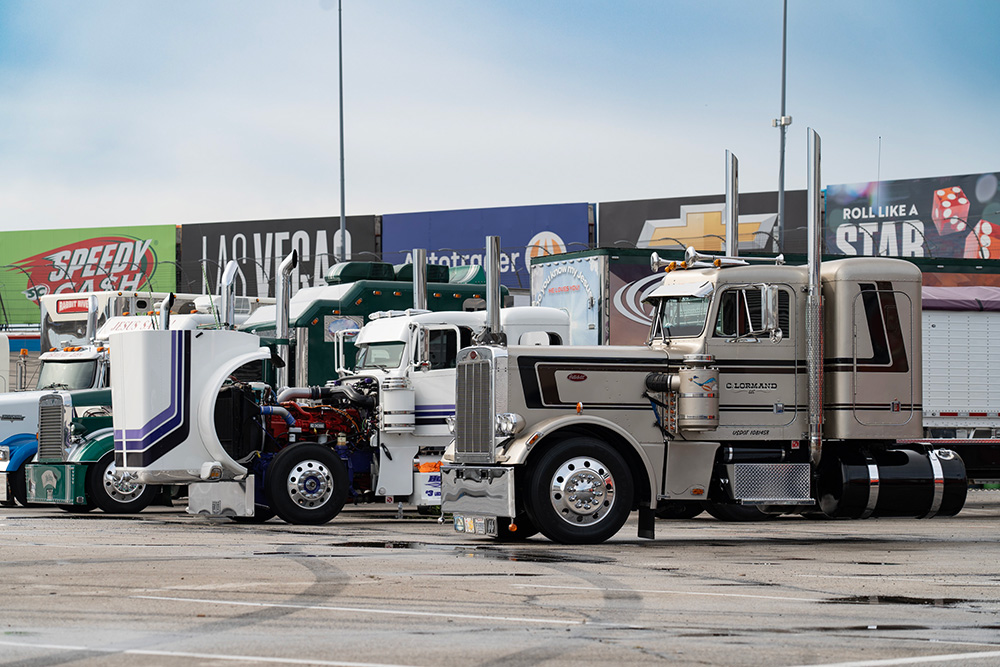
732, 243
781, 168
340, 62
814, 301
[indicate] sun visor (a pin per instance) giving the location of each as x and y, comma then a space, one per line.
682, 289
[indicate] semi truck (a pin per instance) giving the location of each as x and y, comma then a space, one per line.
251, 450
787, 388
74, 468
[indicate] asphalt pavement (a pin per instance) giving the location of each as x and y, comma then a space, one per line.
380, 587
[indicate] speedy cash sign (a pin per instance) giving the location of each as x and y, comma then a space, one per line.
95, 264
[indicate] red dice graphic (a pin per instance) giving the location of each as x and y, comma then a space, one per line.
951, 210
984, 241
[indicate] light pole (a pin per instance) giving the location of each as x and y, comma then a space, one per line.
340, 62
782, 122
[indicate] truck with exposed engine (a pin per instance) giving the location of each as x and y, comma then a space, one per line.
67, 458
760, 385
252, 450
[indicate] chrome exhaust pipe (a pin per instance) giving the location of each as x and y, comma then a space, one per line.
814, 301
732, 205
227, 292
420, 279
283, 292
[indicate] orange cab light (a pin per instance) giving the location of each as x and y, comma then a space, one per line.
397, 294
377, 292
358, 302
437, 295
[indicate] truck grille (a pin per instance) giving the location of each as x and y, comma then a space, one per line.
474, 407
51, 428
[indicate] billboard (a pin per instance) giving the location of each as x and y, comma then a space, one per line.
457, 238
40, 262
700, 222
955, 217
259, 246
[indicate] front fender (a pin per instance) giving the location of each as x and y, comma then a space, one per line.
93, 447
23, 447
517, 450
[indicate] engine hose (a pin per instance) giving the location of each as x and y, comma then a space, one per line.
278, 410
316, 393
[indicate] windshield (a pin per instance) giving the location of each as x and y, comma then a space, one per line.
681, 316
380, 355
67, 374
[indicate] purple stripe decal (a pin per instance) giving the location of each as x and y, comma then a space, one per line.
171, 417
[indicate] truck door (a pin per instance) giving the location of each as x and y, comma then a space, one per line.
434, 383
758, 373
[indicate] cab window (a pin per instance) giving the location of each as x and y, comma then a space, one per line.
443, 346
740, 312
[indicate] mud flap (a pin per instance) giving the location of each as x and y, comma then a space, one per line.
647, 523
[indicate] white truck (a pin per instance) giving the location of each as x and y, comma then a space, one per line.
249, 450
789, 388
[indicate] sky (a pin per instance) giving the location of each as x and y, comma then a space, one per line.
134, 112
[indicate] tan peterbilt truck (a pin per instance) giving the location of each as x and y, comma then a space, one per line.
782, 387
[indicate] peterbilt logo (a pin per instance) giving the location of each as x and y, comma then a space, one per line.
12, 418
576, 377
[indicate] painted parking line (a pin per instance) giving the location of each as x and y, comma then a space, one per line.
200, 656
953, 657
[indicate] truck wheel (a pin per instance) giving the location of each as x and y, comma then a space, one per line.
679, 509
736, 513
580, 492
307, 484
114, 496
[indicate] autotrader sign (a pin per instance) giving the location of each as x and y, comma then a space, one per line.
457, 238
948, 217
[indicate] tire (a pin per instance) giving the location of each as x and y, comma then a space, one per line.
736, 513
524, 528
599, 477
116, 497
679, 509
18, 487
306, 484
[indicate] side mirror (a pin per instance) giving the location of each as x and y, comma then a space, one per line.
421, 348
769, 312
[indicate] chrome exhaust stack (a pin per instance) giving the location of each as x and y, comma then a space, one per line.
165, 307
282, 327
227, 292
814, 301
492, 332
91, 319
732, 206
419, 279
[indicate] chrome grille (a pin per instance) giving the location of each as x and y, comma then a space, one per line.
52, 430
474, 409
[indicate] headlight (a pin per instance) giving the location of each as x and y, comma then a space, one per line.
509, 423
4, 453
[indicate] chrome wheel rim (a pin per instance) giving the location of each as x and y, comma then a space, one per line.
310, 484
120, 490
582, 491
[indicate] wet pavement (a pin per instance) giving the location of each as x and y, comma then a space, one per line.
164, 588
